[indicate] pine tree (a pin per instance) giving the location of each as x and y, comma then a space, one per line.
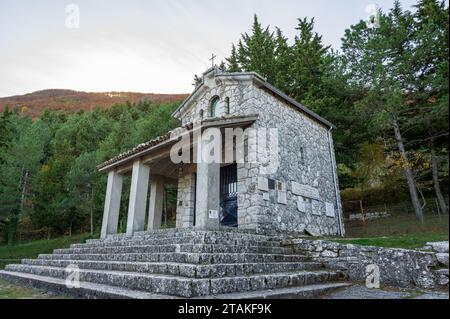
256, 52
232, 61
309, 63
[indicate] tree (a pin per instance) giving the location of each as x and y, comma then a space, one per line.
310, 62
80, 182
378, 61
430, 96
22, 160
255, 52
233, 61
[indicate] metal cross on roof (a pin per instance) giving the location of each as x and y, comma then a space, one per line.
212, 59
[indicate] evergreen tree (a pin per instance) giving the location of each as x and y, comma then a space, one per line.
379, 63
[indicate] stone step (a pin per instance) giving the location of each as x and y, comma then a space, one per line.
85, 290
196, 238
188, 248
190, 258
181, 233
304, 292
184, 270
188, 239
98, 291
186, 287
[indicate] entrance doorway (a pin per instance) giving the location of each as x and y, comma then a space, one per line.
228, 196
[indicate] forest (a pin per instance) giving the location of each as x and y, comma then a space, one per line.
385, 90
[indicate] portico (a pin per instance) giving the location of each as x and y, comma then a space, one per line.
151, 168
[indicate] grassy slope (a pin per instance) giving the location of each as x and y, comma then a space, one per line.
411, 241
14, 253
399, 232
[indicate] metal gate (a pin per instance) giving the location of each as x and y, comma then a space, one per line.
228, 196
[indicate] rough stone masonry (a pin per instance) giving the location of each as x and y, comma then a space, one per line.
425, 268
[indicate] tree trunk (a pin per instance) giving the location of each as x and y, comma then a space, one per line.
437, 188
24, 190
407, 170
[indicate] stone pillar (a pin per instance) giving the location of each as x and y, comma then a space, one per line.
112, 204
208, 197
185, 200
209, 148
156, 203
138, 198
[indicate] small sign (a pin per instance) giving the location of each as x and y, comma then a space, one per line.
263, 184
329, 210
282, 198
213, 214
301, 205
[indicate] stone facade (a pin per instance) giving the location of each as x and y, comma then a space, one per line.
306, 159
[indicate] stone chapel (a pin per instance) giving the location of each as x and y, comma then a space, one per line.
300, 194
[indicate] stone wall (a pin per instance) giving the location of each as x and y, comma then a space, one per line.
369, 216
185, 200
304, 160
398, 267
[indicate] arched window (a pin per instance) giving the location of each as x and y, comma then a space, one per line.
215, 107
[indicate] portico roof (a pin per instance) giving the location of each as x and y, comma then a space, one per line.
167, 140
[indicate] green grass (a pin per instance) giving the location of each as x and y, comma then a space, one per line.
409, 241
14, 291
399, 225
14, 253
401, 231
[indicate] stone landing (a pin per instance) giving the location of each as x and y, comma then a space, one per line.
180, 263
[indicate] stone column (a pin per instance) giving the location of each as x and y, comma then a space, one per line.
208, 180
138, 198
207, 199
156, 203
112, 204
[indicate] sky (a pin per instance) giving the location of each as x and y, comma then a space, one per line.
151, 46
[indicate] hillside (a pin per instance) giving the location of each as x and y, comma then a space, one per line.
72, 101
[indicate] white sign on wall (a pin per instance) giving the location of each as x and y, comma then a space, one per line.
305, 191
263, 183
329, 210
282, 198
301, 205
213, 214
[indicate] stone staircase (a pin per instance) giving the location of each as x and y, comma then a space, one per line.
180, 263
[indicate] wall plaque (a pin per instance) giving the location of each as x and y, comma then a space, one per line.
305, 191
263, 184
329, 210
213, 214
